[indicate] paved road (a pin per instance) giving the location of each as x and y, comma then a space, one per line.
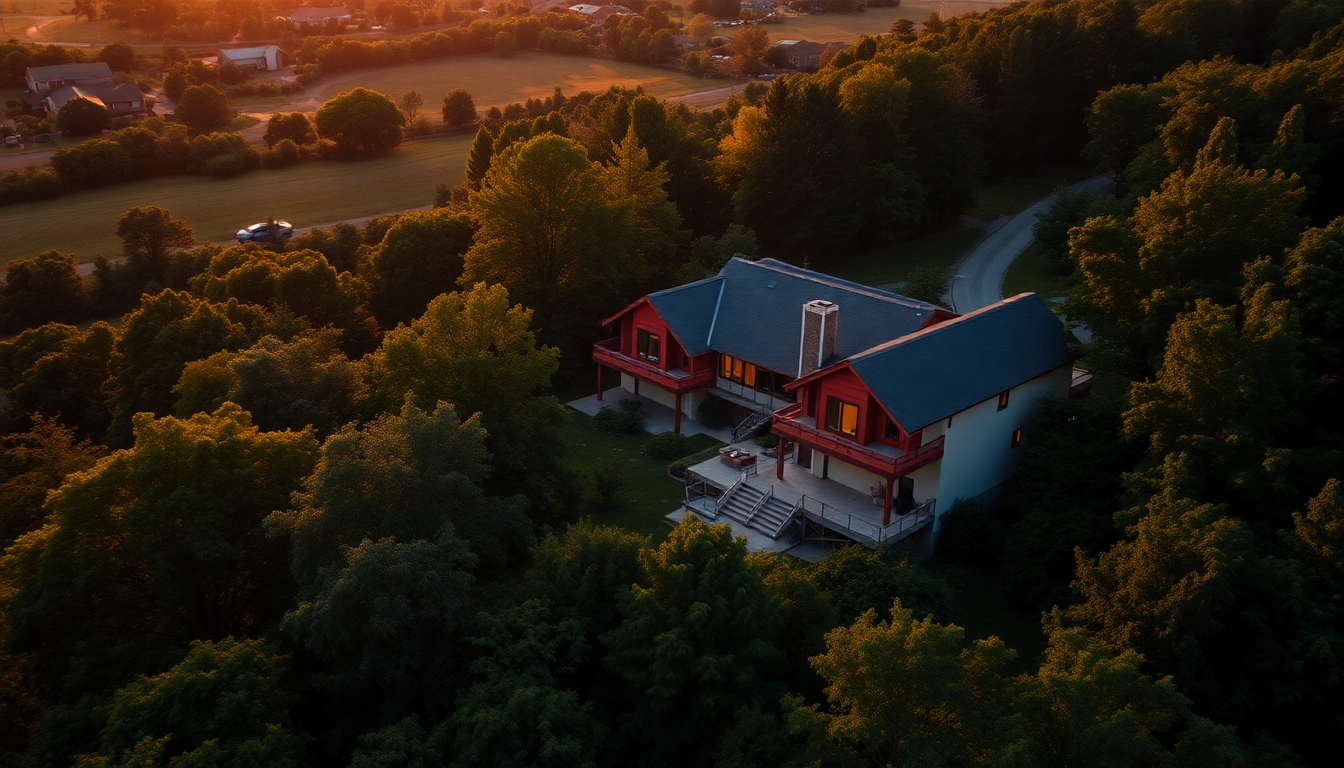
979, 277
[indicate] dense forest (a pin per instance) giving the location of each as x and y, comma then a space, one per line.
309, 505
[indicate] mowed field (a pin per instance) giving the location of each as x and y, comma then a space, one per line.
306, 195
849, 27
495, 81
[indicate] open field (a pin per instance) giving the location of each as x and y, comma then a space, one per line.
97, 31
495, 81
309, 194
646, 493
849, 27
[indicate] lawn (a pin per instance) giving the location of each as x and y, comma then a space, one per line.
1009, 196
646, 494
1029, 272
97, 31
495, 81
309, 194
894, 263
849, 27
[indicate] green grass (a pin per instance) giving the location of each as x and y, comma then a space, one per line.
1030, 272
894, 263
308, 194
241, 122
495, 81
647, 494
1010, 196
849, 27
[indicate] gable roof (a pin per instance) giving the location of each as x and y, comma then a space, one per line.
313, 13
102, 95
237, 54
70, 71
753, 310
947, 368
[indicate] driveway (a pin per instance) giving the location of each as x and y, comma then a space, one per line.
979, 277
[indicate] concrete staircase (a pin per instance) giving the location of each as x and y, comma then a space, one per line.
767, 517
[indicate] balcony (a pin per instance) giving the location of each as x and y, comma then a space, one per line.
885, 460
608, 353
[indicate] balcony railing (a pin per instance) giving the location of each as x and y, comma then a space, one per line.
608, 353
855, 527
789, 426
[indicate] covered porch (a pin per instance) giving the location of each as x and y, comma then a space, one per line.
657, 417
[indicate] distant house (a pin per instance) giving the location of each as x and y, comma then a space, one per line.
122, 100
599, 13
43, 80
887, 409
265, 58
804, 55
312, 17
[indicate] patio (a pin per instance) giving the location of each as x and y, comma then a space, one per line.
657, 417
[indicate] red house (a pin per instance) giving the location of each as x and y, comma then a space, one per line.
881, 396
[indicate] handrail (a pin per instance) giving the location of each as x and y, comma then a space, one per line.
789, 518
787, 417
719, 502
760, 503
753, 421
610, 350
909, 521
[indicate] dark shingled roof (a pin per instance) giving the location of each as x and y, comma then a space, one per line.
945, 369
70, 71
753, 310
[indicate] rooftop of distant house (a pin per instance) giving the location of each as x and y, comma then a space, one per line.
70, 71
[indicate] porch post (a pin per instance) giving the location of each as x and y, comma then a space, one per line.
676, 416
886, 501
779, 459
599, 381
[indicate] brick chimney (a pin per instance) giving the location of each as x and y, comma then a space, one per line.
818, 340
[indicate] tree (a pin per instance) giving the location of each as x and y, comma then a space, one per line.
459, 109
411, 102
223, 704
58, 372
203, 109
420, 257
294, 126
548, 233
155, 546
748, 48
505, 44
149, 235
33, 464
361, 122
697, 645
41, 289
82, 117
860, 579
477, 352
401, 745
1067, 210
657, 225
700, 29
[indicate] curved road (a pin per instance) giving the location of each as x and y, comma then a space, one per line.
979, 277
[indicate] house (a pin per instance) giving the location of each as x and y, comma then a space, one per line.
121, 100
804, 55
887, 409
598, 13
265, 58
43, 80
313, 17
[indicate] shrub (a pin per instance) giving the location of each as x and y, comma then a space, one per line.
627, 421
29, 184
768, 441
667, 446
94, 163
605, 482
679, 468
285, 154
715, 413
226, 166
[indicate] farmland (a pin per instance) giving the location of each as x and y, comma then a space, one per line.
312, 193
849, 27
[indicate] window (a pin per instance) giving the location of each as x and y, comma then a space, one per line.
737, 370
842, 417
893, 431
1003, 399
647, 347
1017, 437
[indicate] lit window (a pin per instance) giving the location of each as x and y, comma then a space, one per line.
1003, 400
648, 347
1017, 437
725, 366
842, 417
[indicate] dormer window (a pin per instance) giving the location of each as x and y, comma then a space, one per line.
648, 346
842, 417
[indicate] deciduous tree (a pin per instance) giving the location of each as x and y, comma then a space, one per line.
458, 108
420, 257
82, 117
203, 109
361, 122
41, 289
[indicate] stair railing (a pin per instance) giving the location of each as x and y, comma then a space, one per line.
769, 494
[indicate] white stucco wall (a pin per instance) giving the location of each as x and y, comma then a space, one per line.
977, 447
845, 473
690, 401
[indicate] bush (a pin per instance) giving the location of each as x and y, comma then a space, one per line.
715, 413
679, 468
29, 184
94, 163
667, 446
226, 166
605, 482
627, 421
285, 154
768, 441
970, 534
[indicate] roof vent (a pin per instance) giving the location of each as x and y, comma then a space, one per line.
772, 284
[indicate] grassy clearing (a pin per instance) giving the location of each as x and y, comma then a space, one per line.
96, 31
1030, 272
309, 194
1010, 196
241, 122
647, 494
895, 263
495, 81
849, 27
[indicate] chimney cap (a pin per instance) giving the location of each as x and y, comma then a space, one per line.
820, 304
